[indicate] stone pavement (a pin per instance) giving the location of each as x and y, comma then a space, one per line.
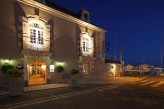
7, 102
111, 80
37, 87
37, 92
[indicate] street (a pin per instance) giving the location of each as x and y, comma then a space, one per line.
145, 93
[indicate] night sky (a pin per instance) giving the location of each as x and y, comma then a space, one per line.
139, 23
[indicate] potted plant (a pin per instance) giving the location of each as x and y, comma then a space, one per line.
58, 77
16, 86
4, 69
59, 69
14, 78
74, 81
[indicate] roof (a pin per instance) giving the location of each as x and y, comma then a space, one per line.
58, 7
112, 61
52, 4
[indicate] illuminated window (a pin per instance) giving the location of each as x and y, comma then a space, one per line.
36, 34
86, 44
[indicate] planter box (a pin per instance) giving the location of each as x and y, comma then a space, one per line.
16, 89
74, 83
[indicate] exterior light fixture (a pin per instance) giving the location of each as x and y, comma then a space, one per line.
6, 61
59, 63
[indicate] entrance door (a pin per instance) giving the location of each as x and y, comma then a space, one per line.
86, 68
37, 72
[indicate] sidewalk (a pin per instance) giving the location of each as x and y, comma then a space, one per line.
44, 87
6, 101
36, 88
111, 80
38, 93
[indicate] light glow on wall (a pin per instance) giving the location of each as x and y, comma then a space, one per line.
113, 69
43, 67
59, 64
34, 22
6, 61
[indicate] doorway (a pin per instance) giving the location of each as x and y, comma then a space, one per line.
86, 68
37, 72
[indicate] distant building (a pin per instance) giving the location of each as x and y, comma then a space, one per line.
128, 67
114, 68
145, 67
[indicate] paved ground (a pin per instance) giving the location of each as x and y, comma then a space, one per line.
143, 92
40, 96
37, 87
123, 97
113, 80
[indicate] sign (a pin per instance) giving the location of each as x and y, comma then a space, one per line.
52, 68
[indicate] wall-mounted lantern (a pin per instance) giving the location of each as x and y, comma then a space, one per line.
7, 61
59, 63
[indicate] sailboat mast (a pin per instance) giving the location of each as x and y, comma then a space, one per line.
116, 47
161, 51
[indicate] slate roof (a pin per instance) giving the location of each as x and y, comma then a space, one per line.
58, 7
52, 4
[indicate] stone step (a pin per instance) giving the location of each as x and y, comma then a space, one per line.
37, 81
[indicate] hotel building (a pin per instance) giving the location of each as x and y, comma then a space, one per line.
40, 35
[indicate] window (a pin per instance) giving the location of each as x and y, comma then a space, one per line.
36, 33
33, 35
86, 44
86, 16
40, 37
36, 36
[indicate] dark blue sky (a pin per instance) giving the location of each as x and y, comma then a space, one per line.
140, 23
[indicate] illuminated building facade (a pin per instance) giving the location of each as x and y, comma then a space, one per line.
40, 35
114, 68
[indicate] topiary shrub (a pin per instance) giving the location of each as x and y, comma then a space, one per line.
74, 81
74, 72
5, 68
15, 73
59, 69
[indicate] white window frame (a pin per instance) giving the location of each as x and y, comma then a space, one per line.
87, 44
37, 45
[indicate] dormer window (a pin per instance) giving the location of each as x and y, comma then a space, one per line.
84, 15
